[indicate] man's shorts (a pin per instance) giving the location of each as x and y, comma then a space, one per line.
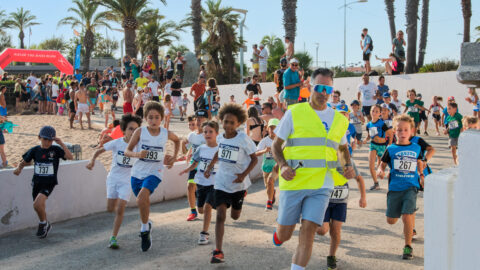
380, 148
177, 101
191, 176
156, 98
83, 108
366, 56
262, 68
401, 202
41, 188
127, 107
92, 101
255, 65
230, 199
358, 136
118, 190
71, 107
452, 142
336, 211
366, 110
2, 138
309, 204
205, 194
169, 74
150, 182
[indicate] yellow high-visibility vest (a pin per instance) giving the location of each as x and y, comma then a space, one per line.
314, 148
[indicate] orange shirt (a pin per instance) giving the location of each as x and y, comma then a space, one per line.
304, 93
248, 102
198, 90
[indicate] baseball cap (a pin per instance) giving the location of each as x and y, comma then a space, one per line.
385, 105
342, 108
386, 95
451, 98
293, 60
283, 60
355, 102
201, 113
273, 122
419, 95
47, 132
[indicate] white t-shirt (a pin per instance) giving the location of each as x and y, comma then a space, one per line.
285, 128
33, 80
264, 143
368, 93
195, 140
204, 156
169, 65
154, 86
233, 158
120, 171
264, 54
168, 90
55, 90
398, 104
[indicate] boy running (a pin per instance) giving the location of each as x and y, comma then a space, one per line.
269, 174
118, 179
357, 119
404, 159
150, 142
46, 158
205, 191
236, 158
453, 124
413, 106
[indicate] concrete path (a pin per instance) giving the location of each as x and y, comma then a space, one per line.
368, 242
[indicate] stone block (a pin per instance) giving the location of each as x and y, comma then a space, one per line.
469, 70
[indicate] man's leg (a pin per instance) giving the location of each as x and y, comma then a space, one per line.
80, 114
88, 120
305, 243
285, 232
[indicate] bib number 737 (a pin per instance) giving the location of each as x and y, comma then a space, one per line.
44, 169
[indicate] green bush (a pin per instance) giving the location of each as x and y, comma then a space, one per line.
439, 66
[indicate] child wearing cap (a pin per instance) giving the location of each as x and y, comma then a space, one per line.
357, 119
387, 100
46, 158
269, 174
195, 139
453, 127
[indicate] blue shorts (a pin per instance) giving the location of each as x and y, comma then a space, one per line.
92, 101
150, 182
336, 211
380, 148
309, 204
2, 138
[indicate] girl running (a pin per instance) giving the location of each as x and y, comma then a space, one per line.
168, 110
435, 109
473, 99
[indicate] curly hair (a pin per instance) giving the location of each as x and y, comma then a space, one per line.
127, 118
235, 109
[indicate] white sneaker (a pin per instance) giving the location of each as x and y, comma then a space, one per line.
203, 240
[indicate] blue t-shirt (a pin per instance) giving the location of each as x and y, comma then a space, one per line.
402, 160
290, 77
351, 132
78, 77
377, 129
445, 112
382, 89
367, 40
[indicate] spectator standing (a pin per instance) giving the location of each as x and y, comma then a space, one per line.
262, 61
255, 59
141, 81
289, 49
168, 68
135, 68
180, 62
254, 87
366, 45
382, 88
278, 76
154, 86
197, 91
33, 80
202, 72
367, 91
292, 83
397, 46
176, 88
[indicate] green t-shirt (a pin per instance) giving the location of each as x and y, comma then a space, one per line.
92, 91
414, 111
454, 125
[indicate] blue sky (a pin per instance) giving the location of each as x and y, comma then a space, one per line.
317, 21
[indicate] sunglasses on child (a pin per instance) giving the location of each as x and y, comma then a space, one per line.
320, 88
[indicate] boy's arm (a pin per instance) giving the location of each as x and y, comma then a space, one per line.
381, 169
169, 160
363, 195
68, 155
133, 142
210, 166
420, 167
253, 162
94, 157
20, 167
189, 168
389, 134
430, 153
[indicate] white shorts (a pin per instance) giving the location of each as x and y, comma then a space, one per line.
263, 68
83, 108
177, 101
118, 190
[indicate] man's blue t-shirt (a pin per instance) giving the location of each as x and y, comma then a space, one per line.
382, 89
291, 77
367, 40
78, 76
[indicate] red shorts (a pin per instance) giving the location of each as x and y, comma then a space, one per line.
127, 108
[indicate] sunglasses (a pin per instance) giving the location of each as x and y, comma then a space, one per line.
320, 88
294, 65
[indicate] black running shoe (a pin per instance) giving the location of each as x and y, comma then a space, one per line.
407, 253
375, 186
331, 262
217, 257
43, 229
146, 238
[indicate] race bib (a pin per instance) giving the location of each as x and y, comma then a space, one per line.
194, 147
203, 164
44, 169
339, 193
412, 109
453, 124
228, 153
155, 153
388, 123
124, 161
373, 131
406, 165
269, 155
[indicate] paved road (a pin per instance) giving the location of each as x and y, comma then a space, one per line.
368, 242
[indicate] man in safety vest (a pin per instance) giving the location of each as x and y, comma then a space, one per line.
312, 133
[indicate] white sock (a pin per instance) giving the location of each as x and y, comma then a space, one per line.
296, 267
144, 227
43, 222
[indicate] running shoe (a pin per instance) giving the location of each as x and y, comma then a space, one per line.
375, 186
146, 238
407, 253
181, 119
331, 262
276, 242
43, 229
418, 131
269, 206
425, 133
192, 217
203, 240
217, 257
113, 243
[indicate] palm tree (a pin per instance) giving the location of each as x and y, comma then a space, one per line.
423, 33
222, 43
289, 8
270, 42
3, 22
390, 8
411, 12
131, 14
196, 22
86, 17
156, 34
173, 49
21, 20
467, 14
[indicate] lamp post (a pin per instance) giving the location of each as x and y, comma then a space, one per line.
242, 23
318, 44
345, 6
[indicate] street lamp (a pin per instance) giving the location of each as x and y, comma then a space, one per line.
242, 23
345, 6
318, 44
